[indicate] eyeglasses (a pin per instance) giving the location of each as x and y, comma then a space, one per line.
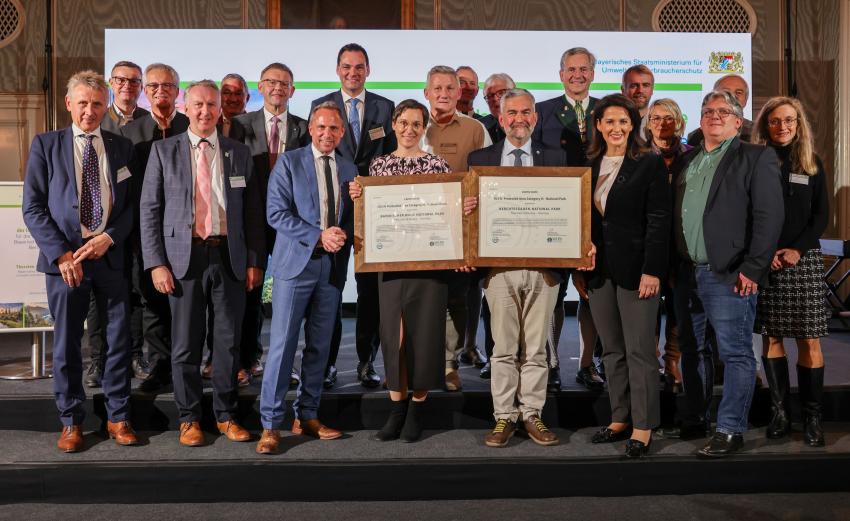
776, 122
655, 120
404, 125
720, 113
121, 81
277, 83
163, 86
495, 95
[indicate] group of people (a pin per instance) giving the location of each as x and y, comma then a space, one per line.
157, 227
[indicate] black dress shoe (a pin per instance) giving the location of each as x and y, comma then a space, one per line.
141, 368
721, 445
485, 371
367, 375
588, 377
94, 375
554, 383
155, 382
636, 449
686, 431
606, 435
473, 357
330, 377
294, 379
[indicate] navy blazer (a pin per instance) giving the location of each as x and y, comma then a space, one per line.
293, 210
744, 212
251, 129
633, 237
167, 214
51, 202
378, 113
557, 127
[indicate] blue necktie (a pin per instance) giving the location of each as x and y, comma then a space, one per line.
354, 121
91, 212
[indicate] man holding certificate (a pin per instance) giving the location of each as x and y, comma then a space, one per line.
520, 300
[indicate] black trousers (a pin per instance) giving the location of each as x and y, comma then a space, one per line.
250, 345
209, 286
367, 338
152, 316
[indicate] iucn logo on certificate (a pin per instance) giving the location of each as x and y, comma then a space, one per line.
723, 62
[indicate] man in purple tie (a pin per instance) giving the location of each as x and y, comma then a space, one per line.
78, 209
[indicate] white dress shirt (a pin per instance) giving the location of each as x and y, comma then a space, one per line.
103, 171
608, 170
281, 129
218, 205
323, 192
508, 157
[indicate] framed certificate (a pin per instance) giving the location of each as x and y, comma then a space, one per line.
530, 217
411, 222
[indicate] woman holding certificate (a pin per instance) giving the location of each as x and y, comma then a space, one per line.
412, 304
630, 225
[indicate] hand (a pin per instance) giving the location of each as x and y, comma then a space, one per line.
789, 256
649, 286
776, 263
354, 190
465, 269
332, 239
94, 249
72, 273
162, 280
580, 284
469, 204
253, 278
745, 286
592, 255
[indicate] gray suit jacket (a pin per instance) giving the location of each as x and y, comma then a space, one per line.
166, 207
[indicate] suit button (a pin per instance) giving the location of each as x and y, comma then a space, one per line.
75, 207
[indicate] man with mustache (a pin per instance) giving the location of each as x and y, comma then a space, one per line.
520, 300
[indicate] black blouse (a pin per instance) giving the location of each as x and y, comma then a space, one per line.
806, 205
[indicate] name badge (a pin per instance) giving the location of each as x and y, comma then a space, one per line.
448, 148
376, 133
237, 182
123, 174
800, 179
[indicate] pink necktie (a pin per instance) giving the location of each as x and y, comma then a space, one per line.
203, 193
274, 142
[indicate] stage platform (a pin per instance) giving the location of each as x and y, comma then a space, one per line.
451, 462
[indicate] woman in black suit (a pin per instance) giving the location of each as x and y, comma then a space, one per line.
630, 227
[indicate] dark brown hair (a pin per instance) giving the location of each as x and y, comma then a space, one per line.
598, 146
411, 104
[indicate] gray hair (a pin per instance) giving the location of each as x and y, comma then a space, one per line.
441, 69
162, 67
88, 78
500, 76
466, 68
515, 93
326, 105
727, 98
746, 85
237, 77
200, 83
578, 50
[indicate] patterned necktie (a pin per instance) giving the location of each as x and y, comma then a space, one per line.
329, 187
580, 118
91, 212
203, 192
354, 121
517, 153
274, 142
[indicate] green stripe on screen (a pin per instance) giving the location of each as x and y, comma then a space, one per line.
418, 85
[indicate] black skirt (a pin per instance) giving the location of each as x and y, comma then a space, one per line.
794, 305
418, 301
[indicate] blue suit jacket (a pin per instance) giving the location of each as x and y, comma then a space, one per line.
51, 203
293, 211
166, 207
557, 127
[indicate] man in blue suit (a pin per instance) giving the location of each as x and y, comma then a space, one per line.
76, 205
203, 242
309, 206
368, 134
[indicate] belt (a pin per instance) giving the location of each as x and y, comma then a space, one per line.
213, 241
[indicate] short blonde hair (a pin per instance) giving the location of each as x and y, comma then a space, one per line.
673, 108
88, 78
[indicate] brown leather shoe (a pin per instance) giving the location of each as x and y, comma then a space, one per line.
122, 432
233, 431
71, 439
243, 379
315, 429
206, 370
538, 432
500, 434
191, 434
269, 442
453, 380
